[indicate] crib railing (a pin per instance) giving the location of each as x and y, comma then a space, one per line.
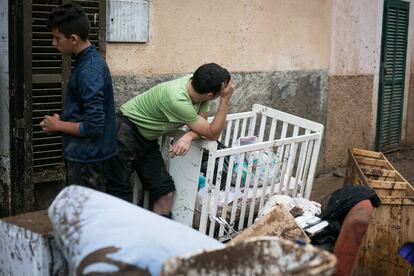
240, 178
282, 175
283, 161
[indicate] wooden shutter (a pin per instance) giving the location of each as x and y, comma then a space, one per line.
392, 77
96, 11
48, 78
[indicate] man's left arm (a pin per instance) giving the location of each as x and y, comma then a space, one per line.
92, 96
181, 147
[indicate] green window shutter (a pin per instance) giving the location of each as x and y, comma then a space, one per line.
391, 88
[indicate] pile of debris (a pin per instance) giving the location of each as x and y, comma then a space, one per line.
86, 231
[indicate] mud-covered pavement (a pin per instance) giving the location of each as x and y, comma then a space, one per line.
403, 162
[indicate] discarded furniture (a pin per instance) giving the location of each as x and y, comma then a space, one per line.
277, 223
100, 234
393, 222
27, 247
257, 256
283, 161
351, 237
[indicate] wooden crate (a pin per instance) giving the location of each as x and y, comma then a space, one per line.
393, 222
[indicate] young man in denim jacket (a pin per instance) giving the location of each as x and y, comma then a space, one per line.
88, 120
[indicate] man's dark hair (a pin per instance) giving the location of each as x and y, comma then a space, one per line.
208, 78
69, 19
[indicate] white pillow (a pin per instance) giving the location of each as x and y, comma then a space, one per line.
100, 233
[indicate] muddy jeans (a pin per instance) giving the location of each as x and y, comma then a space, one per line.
135, 153
91, 175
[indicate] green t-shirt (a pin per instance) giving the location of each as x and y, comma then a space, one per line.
163, 108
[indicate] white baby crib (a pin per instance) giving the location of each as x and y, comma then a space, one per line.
282, 160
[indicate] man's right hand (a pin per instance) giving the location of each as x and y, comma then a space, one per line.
226, 90
51, 124
212, 130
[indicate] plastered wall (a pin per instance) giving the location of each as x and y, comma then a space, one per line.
244, 36
353, 78
355, 39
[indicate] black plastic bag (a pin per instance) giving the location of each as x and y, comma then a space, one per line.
204, 163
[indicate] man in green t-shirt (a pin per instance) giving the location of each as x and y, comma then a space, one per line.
161, 109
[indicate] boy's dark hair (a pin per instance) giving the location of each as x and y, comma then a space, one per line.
69, 19
208, 78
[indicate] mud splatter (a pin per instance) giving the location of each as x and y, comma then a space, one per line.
101, 256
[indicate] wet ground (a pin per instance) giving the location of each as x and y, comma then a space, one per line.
403, 162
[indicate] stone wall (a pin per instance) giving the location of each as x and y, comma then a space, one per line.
349, 122
302, 93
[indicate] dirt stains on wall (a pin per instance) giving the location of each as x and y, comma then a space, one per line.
302, 93
355, 37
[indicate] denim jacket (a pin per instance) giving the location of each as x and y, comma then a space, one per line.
90, 101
